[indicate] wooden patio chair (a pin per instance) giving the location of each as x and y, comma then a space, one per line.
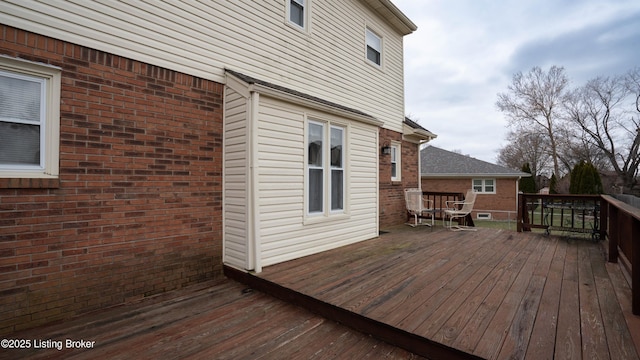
459, 210
418, 207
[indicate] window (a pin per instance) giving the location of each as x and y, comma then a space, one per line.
297, 12
487, 186
374, 47
395, 162
29, 119
337, 168
325, 178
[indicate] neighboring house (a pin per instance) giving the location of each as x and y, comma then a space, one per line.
497, 186
149, 143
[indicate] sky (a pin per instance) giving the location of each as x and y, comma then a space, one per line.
465, 52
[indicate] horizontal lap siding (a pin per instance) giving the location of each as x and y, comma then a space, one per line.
283, 232
235, 179
201, 38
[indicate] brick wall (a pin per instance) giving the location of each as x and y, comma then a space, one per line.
392, 205
137, 208
503, 200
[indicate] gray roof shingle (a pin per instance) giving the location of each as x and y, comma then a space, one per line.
437, 162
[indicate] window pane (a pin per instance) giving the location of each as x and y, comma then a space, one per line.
20, 99
373, 41
19, 144
394, 170
337, 189
296, 12
477, 185
315, 144
488, 185
336, 147
373, 55
315, 190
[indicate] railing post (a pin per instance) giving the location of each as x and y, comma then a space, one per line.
519, 216
604, 217
614, 233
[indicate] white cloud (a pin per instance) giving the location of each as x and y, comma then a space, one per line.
465, 52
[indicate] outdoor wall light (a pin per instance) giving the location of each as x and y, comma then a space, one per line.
386, 150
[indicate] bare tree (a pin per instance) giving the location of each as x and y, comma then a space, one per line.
533, 102
526, 147
601, 111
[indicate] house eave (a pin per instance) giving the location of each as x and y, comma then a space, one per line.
417, 135
291, 96
478, 175
387, 10
284, 96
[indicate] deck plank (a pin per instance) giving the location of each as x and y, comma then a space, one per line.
591, 323
541, 343
504, 316
568, 337
478, 325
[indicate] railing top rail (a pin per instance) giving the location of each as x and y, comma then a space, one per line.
441, 193
628, 209
562, 196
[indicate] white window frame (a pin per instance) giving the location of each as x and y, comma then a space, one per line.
305, 4
337, 168
396, 158
50, 78
479, 185
327, 170
370, 35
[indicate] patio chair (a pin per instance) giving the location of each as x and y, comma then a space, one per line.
418, 207
459, 210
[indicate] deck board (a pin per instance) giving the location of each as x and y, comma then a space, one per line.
493, 294
219, 321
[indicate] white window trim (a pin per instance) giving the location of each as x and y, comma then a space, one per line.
306, 11
368, 31
395, 146
327, 214
50, 144
484, 185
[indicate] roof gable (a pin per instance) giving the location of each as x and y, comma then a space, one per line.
436, 162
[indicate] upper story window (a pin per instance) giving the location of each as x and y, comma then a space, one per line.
325, 168
297, 12
374, 47
29, 119
395, 162
484, 186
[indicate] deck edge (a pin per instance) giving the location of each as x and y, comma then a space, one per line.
397, 337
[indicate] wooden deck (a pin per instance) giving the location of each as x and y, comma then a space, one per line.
216, 321
433, 293
491, 294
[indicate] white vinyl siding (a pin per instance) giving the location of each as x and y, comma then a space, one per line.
235, 211
201, 38
284, 233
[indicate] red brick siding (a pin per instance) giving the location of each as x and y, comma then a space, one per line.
503, 200
392, 205
137, 208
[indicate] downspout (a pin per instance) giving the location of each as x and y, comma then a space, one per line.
517, 192
420, 164
253, 184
